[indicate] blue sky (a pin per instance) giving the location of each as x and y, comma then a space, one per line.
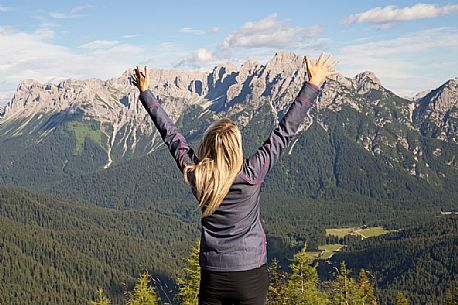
411, 46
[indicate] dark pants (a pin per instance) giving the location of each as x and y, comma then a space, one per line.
234, 288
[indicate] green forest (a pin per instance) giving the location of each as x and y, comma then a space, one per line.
301, 285
57, 251
54, 251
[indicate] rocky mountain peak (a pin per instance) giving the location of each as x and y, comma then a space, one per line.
249, 68
438, 108
285, 62
225, 86
28, 84
365, 81
419, 95
443, 98
220, 73
282, 56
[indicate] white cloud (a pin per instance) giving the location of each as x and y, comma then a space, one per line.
99, 44
203, 55
269, 32
191, 30
390, 14
3, 9
129, 36
198, 58
79, 8
45, 30
73, 13
407, 64
5, 97
60, 15
263, 35
167, 45
25, 55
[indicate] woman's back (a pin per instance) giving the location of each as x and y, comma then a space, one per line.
232, 237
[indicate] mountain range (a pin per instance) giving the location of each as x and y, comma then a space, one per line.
372, 157
363, 138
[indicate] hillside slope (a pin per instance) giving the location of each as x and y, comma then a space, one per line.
58, 252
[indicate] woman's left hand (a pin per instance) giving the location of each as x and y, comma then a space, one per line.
319, 71
140, 79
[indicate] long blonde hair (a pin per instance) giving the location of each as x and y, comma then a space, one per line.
221, 159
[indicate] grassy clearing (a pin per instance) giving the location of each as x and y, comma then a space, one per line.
83, 131
358, 231
374, 231
340, 232
329, 250
325, 251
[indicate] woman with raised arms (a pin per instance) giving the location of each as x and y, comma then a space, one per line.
233, 243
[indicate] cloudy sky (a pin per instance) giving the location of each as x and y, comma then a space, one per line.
411, 46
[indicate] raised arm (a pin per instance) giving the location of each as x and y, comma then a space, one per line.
262, 161
177, 144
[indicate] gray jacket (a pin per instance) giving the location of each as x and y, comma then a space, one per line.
232, 237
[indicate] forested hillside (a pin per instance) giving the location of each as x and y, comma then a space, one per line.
54, 251
58, 251
342, 285
422, 261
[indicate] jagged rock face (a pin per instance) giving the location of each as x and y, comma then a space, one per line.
420, 95
443, 99
366, 81
237, 93
437, 112
225, 83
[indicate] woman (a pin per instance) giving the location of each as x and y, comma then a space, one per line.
233, 244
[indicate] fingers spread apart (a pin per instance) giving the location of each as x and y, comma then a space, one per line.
326, 62
133, 78
320, 59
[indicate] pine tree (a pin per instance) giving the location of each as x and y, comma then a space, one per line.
143, 294
401, 299
276, 295
302, 287
367, 296
452, 298
101, 299
345, 290
188, 285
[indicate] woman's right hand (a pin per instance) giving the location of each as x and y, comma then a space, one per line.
140, 79
319, 71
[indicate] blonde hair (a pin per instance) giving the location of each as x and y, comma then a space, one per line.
221, 159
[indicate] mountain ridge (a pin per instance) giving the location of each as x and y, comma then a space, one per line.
166, 82
89, 126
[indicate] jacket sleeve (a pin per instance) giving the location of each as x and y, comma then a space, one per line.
178, 147
261, 162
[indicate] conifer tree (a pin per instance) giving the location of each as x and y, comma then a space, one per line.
452, 298
367, 296
302, 287
276, 295
188, 291
401, 299
143, 294
345, 290
101, 299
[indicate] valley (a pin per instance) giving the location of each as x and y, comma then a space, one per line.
89, 195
